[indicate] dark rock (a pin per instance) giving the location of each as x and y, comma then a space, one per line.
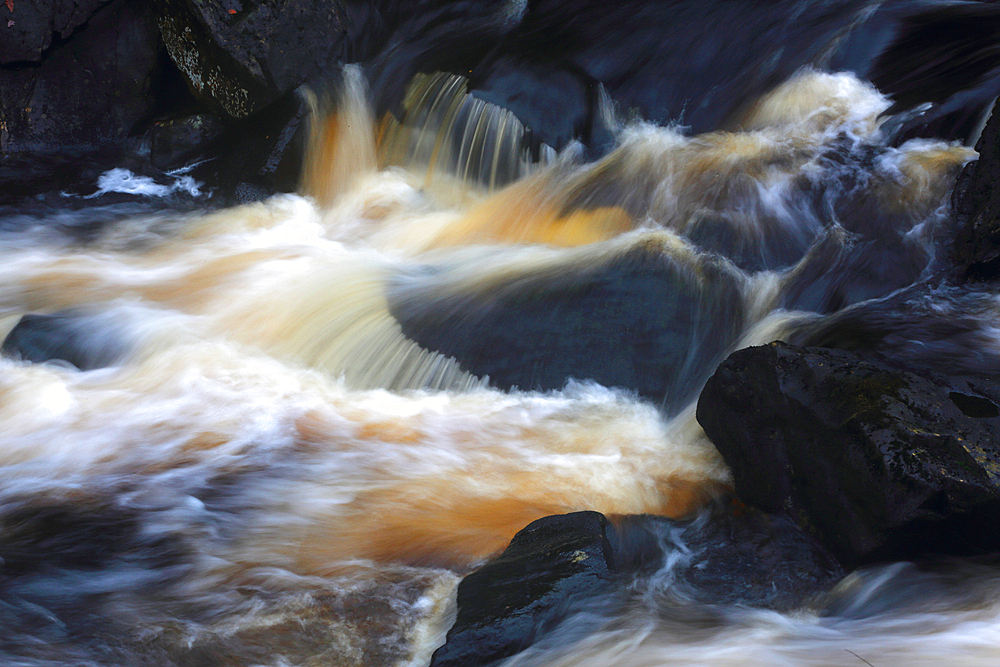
88, 91
263, 153
176, 141
556, 105
72, 337
37, 24
932, 326
241, 55
878, 462
959, 72
581, 569
729, 555
650, 317
842, 269
504, 606
976, 204
948, 93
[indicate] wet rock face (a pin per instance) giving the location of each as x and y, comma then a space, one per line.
31, 27
976, 203
878, 462
89, 87
729, 554
238, 56
650, 318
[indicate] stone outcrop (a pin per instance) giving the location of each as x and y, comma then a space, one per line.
878, 462
91, 85
652, 317
32, 27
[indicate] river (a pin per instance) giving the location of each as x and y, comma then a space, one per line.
263, 466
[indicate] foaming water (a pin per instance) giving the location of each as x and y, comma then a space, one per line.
289, 454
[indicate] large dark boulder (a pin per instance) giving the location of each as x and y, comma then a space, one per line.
91, 87
240, 56
649, 315
878, 462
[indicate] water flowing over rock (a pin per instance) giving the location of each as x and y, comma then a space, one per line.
69, 337
877, 461
633, 318
486, 256
579, 568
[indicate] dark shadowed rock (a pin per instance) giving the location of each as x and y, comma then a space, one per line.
34, 26
240, 56
878, 462
729, 555
262, 153
91, 89
504, 606
580, 568
176, 141
976, 203
937, 62
650, 317
75, 338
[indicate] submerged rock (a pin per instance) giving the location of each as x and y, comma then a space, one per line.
728, 555
583, 569
74, 338
648, 315
878, 462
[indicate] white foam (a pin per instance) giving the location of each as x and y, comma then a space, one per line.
124, 181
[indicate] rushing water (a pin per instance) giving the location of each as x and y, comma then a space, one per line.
265, 467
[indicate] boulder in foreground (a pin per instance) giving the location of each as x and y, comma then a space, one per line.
878, 462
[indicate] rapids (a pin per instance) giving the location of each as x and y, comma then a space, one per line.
287, 453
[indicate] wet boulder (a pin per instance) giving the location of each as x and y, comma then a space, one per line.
648, 314
976, 204
239, 56
175, 141
548, 567
878, 462
583, 569
729, 554
81, 340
